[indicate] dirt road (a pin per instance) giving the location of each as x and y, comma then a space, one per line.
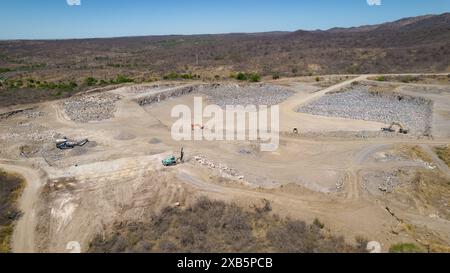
23, 240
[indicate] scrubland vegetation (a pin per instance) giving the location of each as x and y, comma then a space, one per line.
214, 226
10, 189
444, 154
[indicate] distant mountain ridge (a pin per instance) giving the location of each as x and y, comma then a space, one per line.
392, 25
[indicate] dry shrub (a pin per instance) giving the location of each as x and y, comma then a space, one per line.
10, 189
214, 226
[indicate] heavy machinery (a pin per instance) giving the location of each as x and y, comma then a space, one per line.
391, 128
172, 161
65, 144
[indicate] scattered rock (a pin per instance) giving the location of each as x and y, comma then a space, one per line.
224, 170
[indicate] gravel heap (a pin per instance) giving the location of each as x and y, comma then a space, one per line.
253, 94
414, 113
226, 94
91, 108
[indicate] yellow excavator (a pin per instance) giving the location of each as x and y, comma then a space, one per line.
391, 129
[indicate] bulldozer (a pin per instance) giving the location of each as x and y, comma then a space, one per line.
65, 144
391, 129
172, 160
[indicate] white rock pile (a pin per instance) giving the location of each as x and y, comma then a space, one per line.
224, 170
226, 94
251, 94
85, 109
414, 113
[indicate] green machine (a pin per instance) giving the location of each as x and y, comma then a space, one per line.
171, 161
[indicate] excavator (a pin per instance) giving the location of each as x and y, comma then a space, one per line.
172, 161
391, 129
65, 144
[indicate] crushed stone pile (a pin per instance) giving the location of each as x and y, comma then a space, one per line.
85, 109
415, 113
252, 94
226, 94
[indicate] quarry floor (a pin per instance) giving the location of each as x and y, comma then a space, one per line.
73, 195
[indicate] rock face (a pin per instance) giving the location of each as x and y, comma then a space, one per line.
84, 109
415, 113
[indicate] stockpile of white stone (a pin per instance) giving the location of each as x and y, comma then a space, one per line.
251, 94
415, 113
226, 94
91, 108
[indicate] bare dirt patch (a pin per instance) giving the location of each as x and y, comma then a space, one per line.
123, 135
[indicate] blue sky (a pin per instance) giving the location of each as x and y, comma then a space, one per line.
55, 19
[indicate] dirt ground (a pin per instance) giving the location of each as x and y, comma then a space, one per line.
74, 194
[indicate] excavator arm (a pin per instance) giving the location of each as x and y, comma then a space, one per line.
391, 129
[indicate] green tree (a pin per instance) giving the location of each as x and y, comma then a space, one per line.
255, 77
171, 76
241, 77
381, 78
123, 79
90, 81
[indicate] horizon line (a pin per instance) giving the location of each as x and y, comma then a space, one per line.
218, 33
